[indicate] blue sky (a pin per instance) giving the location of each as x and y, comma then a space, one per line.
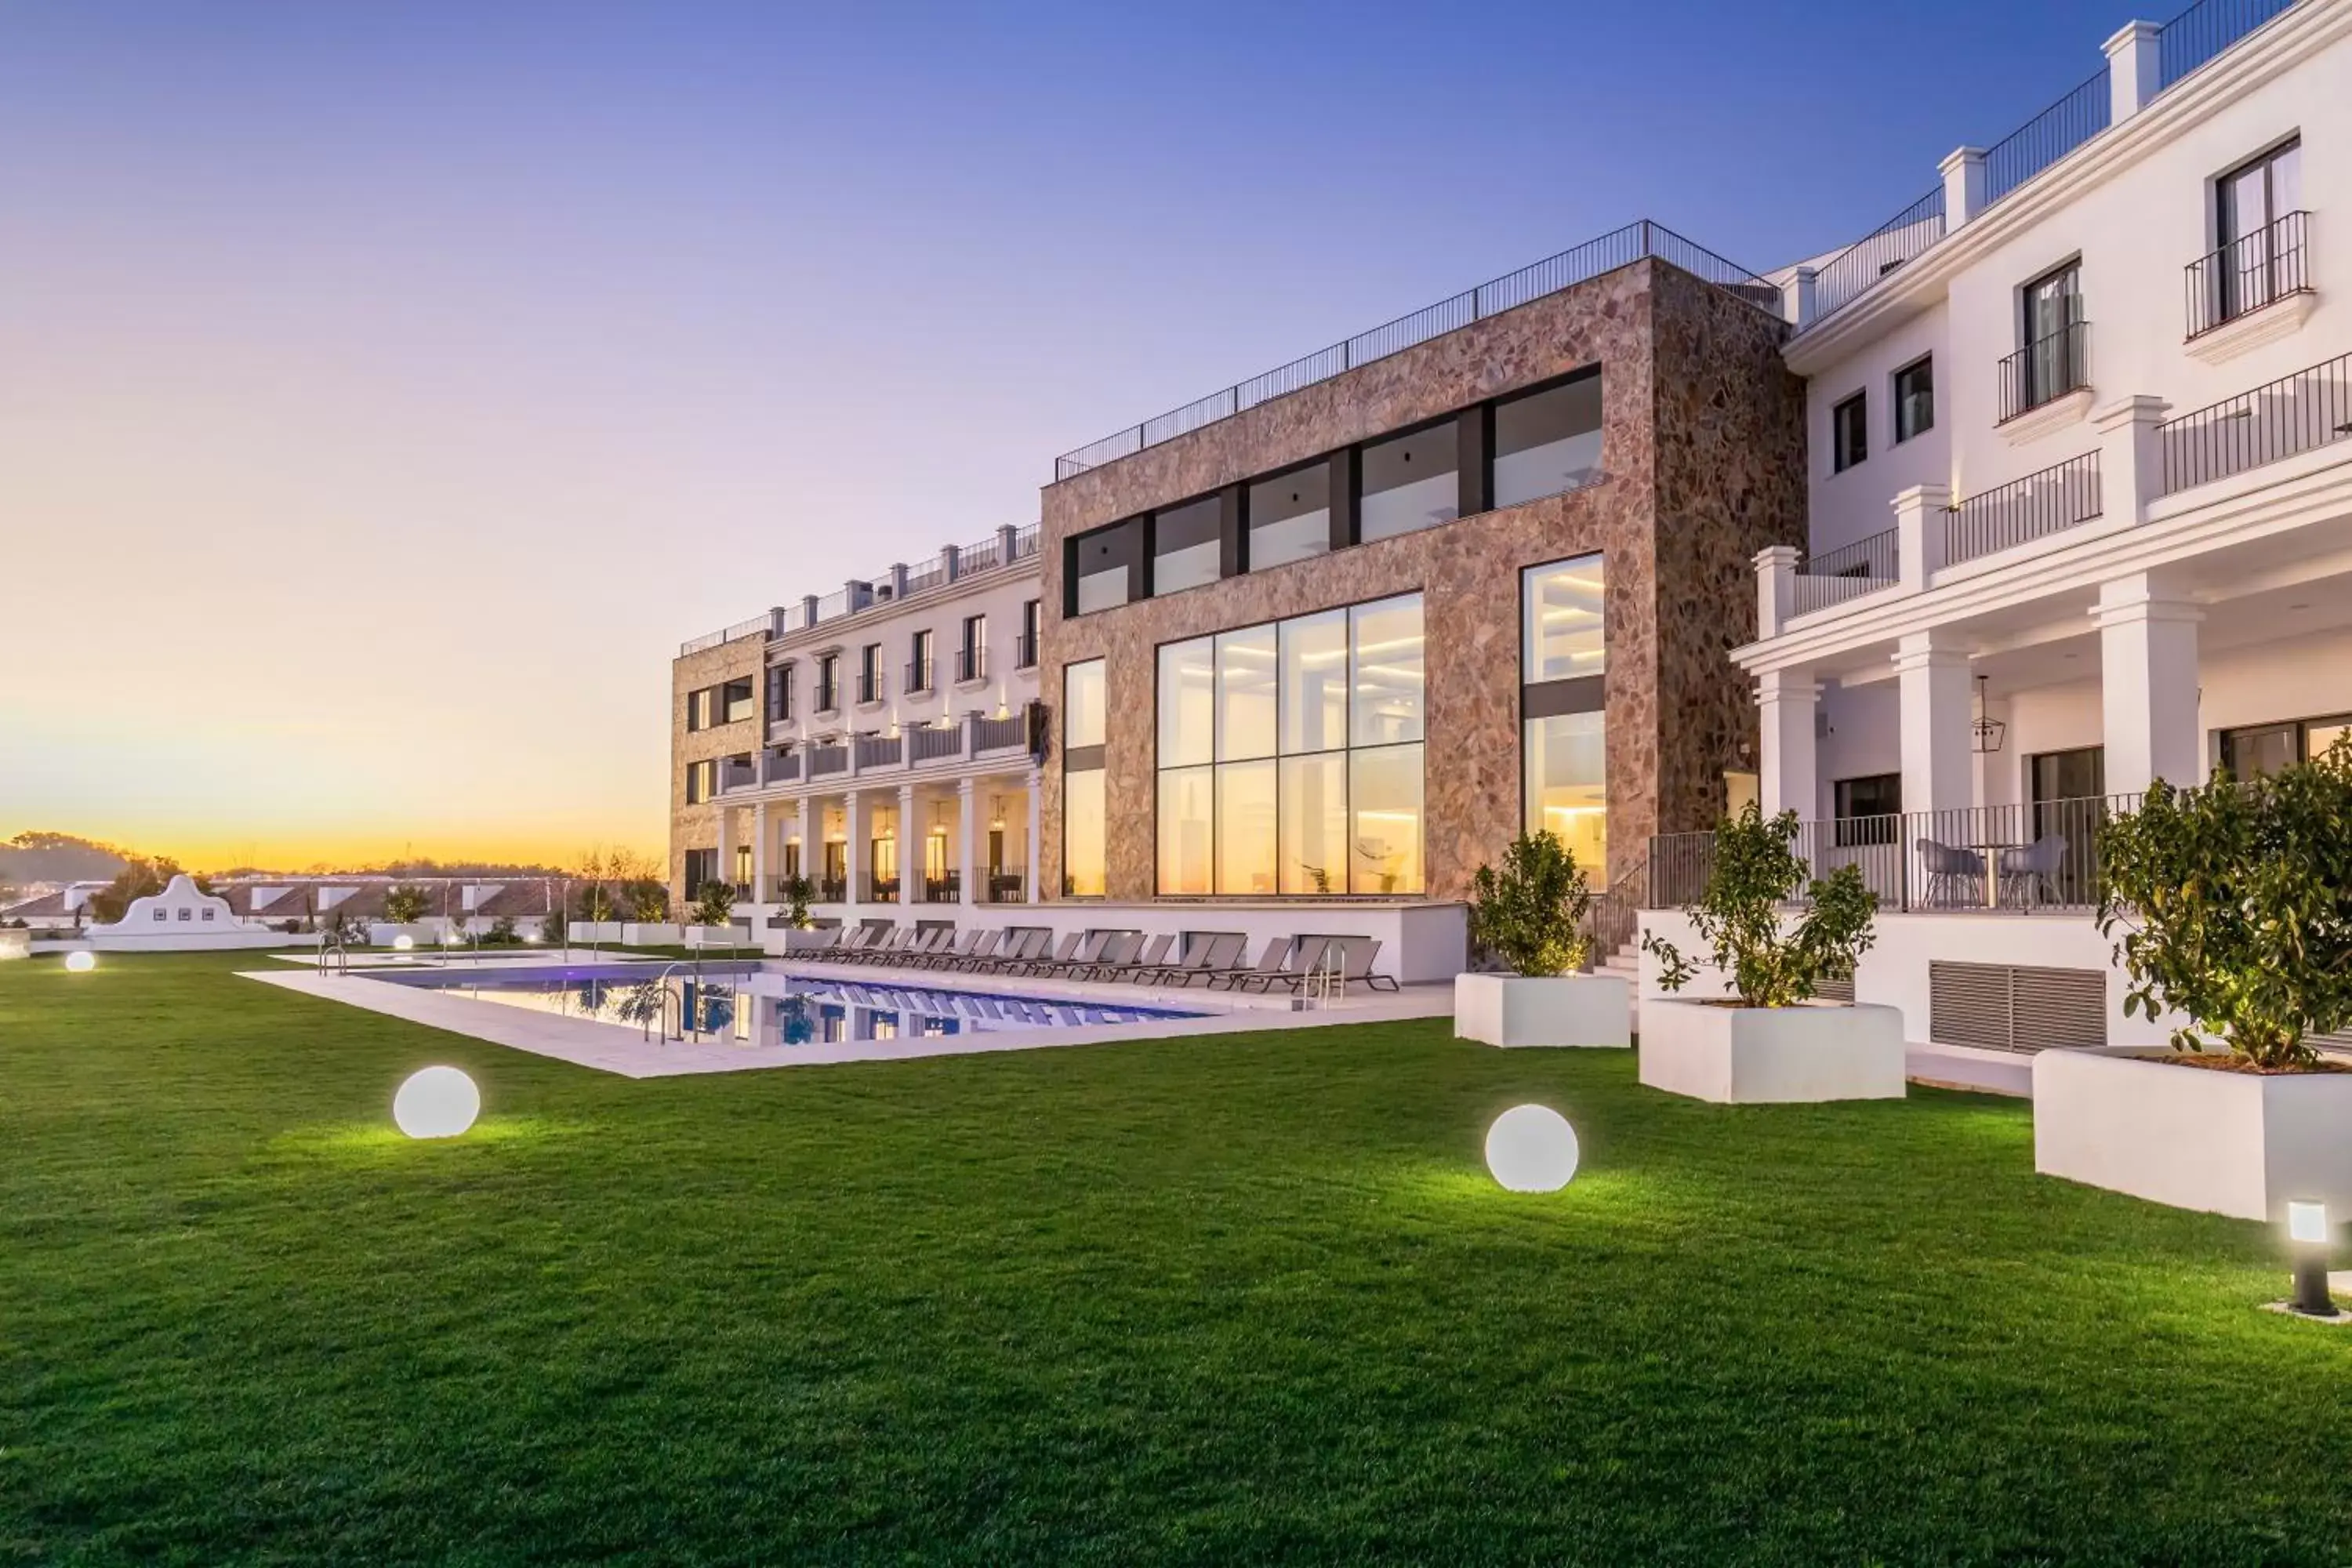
499, 347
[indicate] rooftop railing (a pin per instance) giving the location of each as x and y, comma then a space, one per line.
1579, 264
2191, 39
981, 557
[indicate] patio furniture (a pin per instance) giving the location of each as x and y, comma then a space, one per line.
845, 946
1272, 963
1152, 956
1116, 954
1037, 963
1217, 953
2028, 871
1356, 955
1019, 946
1953, 873
975, 941
1070, 965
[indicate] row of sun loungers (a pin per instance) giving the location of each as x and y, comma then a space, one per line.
1218, 959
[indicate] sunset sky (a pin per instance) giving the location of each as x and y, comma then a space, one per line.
385, 390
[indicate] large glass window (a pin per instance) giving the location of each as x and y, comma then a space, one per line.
1101, 564
1290, 517
1186, 547
1915, 399
1548, 441
1563, 740
1410, 483
1084, 820
1317, 746
736, 697
1849, 433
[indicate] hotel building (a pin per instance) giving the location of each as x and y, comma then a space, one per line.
2080, 511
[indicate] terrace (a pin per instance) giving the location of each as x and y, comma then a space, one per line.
954, 563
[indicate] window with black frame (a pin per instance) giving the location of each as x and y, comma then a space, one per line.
1563, 745
2051, 358
1085, 820
1915, 399
1849, 433
2257, 230
1869, 809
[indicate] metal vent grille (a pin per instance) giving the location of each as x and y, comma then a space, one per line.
2013, 1007
1834, 990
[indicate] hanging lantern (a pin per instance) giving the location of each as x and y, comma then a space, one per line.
1988, 731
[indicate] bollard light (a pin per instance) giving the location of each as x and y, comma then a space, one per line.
438, 1102
2306, 1233
1532, 1149
81, 963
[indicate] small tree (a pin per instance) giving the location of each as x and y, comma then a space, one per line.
714, 904
140, 878
597, 903
649, 901
797, 891
406, 904
553, 929
1531, 913
2234, 902
1757, 872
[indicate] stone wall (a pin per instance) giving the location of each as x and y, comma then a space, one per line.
697, 827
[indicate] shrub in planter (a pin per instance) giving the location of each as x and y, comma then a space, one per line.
714, 905
2231, 905
797, 891
1762, 1043
2234, 902
1530, 917
405, 905
649, 901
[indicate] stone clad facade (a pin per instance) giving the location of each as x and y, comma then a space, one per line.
697, 825
1702, 463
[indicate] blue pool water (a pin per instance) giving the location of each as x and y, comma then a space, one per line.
770, 1006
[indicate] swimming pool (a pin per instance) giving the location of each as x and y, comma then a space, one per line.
761, 1006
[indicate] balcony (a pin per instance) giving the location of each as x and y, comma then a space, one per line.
971, 664
1005, 887
781, 767
832, 890
880, 752
736, 774
2290, 416
919, 677
871, 689
933, 743
2063, 496
2045, 369
947, 888
999, 734
2252, 272
881, 889
1025, 651
1831, 578
2020, 860
824, 760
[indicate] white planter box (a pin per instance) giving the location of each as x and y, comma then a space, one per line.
1555, 1010
718, 936
15, 943
2227, 1142
1760, 1056
634, 934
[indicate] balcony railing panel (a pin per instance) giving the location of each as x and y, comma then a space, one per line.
1577, 265
824, 760
1854, 270
2253, 270
879, 751
971, 663
2047, 137
2063, 496
930, 744
919, 677
2045, 369
1865, 566
2204, 30
997, 734
2294, 414
2042, 857
783, 767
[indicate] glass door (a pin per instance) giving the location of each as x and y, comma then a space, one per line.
2053, 306
2259, 258
2069, 807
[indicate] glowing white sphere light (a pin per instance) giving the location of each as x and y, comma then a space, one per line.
403, 943
438, 1102
1532, 1149
81, 963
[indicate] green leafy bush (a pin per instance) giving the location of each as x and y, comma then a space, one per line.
405, 905
798, 891
2234, 902
1757, 872
714, 904
1530, 914
649, 901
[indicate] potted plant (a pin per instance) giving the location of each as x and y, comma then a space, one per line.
1529, 916
647, 900
712, 912
2230, 909
1768, 1039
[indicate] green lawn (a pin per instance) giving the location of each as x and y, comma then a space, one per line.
1249, 1296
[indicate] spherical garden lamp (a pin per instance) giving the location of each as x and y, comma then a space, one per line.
438, 1102
81, 963
403, 943
1532, 1149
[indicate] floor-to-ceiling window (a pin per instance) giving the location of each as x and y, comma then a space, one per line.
1563, 744
1290, 755
1085, 816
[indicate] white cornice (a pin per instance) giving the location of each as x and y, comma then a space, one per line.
2270, 51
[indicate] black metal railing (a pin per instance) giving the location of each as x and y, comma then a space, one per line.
1025, 651
1881, 251
2204, 30
2046, 369
2249, 272
994, 734
2023, 858
944, 888
2294, 414
828, 697
1006, 887
919, 676
881, 889
1579, 264
971, 663
2056, 499
1873, 557
869, 686
832, 890
933, 741
2047, 137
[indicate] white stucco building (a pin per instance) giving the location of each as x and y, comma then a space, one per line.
2081, 511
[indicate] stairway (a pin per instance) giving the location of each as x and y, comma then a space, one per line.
1626, 961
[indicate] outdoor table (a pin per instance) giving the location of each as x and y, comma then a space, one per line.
1992, 854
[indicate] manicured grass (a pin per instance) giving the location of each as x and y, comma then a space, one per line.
1249, 1296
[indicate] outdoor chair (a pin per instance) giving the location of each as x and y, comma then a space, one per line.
1037, 961
1153, 956
1954, 875
964, 949
2030, 871
890, 948
1306, 955
1018, 947
844, 947
1117, 954
1270, 963
991, 944
1066, 963
1356, 955
1215, 954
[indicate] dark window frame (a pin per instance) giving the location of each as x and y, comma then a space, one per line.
1852, 453
1926, 362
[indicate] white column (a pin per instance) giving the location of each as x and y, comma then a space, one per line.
967, 856
1776, 587
759, 852
1919, 515
726, 843
1787, 701
1798, 297
853, 860
2133, 73
2131, 457
1036, 792
2147, 685
910, 848
1963, 169
811, 852
1938, 758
